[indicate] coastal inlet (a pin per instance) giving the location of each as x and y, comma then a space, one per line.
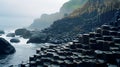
23, 51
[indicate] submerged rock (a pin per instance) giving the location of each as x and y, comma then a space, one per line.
15, 40
6, 47
10, 35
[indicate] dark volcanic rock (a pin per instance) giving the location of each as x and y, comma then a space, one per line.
38, 38
15, 40
10, 35
6, 47
56, 41
23, 32
27, 34
20, 31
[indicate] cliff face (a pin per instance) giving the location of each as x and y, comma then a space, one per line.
70, 6
93, 14
99, 6
46, 20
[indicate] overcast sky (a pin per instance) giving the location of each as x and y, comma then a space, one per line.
24, 11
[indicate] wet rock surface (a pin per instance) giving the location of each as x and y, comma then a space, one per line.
38, 38
23, 33
6, 47
10, 35
15, 40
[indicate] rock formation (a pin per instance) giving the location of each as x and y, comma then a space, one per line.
6, 47
14, 40
46, 20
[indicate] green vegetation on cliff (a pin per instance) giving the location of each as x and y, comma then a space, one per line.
72, 5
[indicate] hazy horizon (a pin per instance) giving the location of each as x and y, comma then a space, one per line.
18, 13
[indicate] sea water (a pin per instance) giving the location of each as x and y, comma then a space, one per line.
23, 51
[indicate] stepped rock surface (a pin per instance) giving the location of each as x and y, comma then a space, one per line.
100, 48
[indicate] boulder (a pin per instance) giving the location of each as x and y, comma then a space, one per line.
20, 31
23, 33
38, 38
15, 40
27, 34
10, 35
6, 47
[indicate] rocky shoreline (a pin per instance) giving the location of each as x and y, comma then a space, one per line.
5, 47
40, 37
100, 48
